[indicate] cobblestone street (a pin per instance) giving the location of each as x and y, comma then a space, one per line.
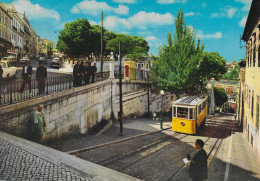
18, 164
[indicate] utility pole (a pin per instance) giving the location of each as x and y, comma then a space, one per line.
101, 51
148, 87
120, 92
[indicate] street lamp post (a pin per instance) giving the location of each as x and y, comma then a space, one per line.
120, 92
101, 50
162, 93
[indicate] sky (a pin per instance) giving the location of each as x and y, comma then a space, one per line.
218, 23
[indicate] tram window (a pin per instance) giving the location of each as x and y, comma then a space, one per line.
182, 112
190, 113
174, 111
199, 109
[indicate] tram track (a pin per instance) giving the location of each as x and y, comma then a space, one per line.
139, 149
146, 152
78, 151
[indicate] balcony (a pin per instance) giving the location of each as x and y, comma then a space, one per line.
14, 28
242, 75
22, 32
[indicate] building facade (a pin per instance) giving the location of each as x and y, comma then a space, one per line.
17, 33
249, 84
39, 45
5, 31
17, 36
48, 45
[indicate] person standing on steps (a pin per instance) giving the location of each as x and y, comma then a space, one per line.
198, 165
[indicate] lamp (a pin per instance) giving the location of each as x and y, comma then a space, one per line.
162, 93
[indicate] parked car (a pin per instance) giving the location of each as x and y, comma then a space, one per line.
37, 57
56, 62
8, 70
43, 60
25, 58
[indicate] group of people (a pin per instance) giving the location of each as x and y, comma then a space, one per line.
84, 73
41, 76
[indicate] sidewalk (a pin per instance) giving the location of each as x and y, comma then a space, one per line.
21, 159
235, 160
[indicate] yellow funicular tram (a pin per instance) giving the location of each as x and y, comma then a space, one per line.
189, 113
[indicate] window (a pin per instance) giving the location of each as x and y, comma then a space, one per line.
252, 106
199, 109
191, 110
182, 112
257, 113
248, 98
254, 58
174, 111
259, 57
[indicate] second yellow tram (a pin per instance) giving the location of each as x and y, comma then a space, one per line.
189, 113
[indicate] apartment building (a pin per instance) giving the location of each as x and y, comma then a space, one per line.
17, 32
249, 84
48, 45
5, 30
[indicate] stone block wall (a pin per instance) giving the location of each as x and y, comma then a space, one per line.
74, 110
78, 109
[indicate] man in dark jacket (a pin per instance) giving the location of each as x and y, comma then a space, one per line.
88, 73
26, 76
93, 72
82, 72
41, 75
198, 166
76, 75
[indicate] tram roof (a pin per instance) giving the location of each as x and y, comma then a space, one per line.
189, 100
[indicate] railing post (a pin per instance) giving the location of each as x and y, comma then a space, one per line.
11, 93
47, 85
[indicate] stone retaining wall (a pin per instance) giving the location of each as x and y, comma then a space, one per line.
78, 109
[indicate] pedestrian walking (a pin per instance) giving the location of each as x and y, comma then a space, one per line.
26, 76
88, 73
93, 72
198, 165
82, 72
41, 75
39, 124
76, 75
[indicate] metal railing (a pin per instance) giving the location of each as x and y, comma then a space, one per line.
10, 89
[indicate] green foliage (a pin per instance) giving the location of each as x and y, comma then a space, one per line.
76, 37
233, 75
176, 69
79, 38
212, 66
61, 46
220, 96
133, 46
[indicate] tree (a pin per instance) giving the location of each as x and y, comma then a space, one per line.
233, 75
96, 39
76, 36
212, 66
176, 69
129, 45
79, 38
220, 96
